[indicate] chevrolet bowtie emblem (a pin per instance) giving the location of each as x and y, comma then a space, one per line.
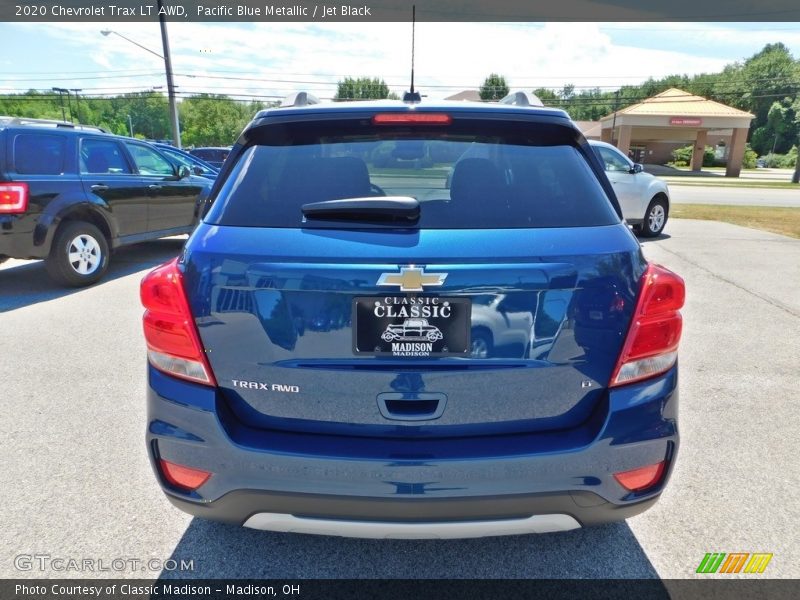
412, 279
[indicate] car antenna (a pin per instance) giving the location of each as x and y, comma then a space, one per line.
412, 95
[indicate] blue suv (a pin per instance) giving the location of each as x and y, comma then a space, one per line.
405, 319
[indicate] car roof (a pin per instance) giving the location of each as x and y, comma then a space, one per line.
49, 125
602, 144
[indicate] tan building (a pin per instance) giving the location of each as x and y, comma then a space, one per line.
653, 128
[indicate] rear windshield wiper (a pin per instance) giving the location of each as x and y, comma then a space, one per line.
381, 208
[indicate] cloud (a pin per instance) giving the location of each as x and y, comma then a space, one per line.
273, 59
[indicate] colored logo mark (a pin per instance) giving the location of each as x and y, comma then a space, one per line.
735, 562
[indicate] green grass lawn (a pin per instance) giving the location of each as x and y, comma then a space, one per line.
781, 220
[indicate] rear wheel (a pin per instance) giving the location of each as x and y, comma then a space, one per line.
79, 255
481, 344
655, 219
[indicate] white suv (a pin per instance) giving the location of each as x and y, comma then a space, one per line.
644, 199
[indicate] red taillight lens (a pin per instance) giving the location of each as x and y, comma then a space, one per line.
642, 478
412, 119
13, 198
173, 345
651, 346
180, 476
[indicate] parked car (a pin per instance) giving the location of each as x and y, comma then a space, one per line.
214, 156
344, 430
70, 194
181, 158
411, 330
644, 198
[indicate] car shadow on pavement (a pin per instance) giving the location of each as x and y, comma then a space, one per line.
29, 283
225, 551
658, 238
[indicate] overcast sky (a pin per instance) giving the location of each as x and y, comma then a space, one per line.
273, 59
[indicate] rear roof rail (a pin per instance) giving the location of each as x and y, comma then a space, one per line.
521, 98
6, 121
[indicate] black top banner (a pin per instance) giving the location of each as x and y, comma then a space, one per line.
399, 10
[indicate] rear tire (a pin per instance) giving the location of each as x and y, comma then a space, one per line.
655, 218
79, 255
481, 345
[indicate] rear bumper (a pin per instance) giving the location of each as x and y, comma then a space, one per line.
416, 488
18, 239
437, 518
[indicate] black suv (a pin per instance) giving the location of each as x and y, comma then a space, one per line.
71, 193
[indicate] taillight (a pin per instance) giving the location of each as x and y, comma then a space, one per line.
642, 478
13, 198
173, 345
412, 118
651, 347
183, 477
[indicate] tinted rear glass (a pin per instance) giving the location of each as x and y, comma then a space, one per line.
487, 176
39, 154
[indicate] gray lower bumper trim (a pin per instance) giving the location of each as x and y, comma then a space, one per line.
442, 530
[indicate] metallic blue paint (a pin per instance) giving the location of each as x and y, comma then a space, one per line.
634, 426
532, 414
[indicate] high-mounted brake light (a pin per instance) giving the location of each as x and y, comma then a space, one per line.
173, 345
180, 476
651, 346
13, 198
412, 118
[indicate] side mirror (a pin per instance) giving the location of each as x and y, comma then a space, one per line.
183, 171
636, 168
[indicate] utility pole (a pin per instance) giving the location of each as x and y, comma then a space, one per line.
614, 123
61, 101
77, 104
69, 104
173, 106
130, 125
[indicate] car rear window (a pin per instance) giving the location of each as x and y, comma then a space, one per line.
471, 176
39, 154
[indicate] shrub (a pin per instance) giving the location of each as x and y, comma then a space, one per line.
683, 156
750, 156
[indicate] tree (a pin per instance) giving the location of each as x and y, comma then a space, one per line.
212, 120
494, 87
548, 97
362, 88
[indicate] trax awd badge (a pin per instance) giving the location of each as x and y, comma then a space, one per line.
265, 387
412, 279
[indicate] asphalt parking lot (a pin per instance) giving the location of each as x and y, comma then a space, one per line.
75, 481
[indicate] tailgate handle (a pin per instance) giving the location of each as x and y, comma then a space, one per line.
414, 406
